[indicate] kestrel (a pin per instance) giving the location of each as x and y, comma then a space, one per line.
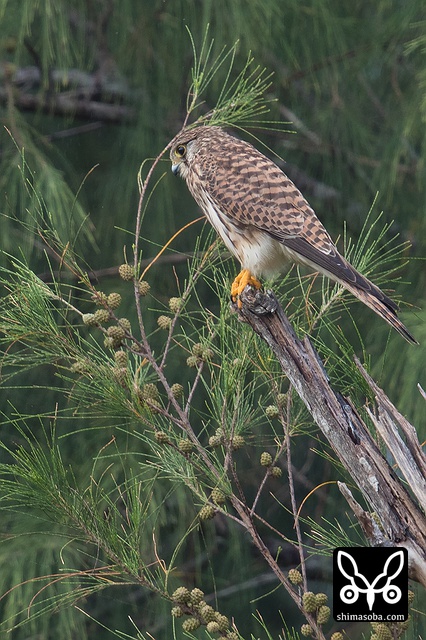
262, 217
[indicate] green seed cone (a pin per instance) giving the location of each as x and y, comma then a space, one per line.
126, 272
306, 630
143, 288
175, 304
185, 445
114, 300
181, 595
309, 602
101, 316
217, 496
295, 576
265, 459
238, 442
190, 624
272, 411
207, 512
323, 614
164, 322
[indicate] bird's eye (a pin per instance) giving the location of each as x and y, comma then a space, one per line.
180, 150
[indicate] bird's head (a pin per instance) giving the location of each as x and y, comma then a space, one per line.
186, 146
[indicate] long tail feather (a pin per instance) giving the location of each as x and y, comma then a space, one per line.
386, 312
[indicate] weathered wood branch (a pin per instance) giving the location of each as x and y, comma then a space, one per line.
73, 92
402, 522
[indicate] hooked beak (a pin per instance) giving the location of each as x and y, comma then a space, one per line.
175, 169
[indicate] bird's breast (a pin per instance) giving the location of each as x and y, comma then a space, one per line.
255, 249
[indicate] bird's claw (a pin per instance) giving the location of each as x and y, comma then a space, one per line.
243, 279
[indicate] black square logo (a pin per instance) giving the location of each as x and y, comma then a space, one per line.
370, 583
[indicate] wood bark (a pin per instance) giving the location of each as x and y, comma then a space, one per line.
398, 506
72, 93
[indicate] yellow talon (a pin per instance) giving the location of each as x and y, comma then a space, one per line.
243, 279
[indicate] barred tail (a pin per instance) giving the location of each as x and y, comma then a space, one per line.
384, 308
336, 267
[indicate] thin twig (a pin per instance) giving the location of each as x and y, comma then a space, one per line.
259, 491
291, 489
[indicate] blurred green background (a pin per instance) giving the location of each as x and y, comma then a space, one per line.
89, 89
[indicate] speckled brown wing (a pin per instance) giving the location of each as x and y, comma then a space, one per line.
252, 190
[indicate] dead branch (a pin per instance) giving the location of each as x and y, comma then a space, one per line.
402, 522
77, 93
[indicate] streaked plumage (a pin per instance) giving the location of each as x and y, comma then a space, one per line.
262, 217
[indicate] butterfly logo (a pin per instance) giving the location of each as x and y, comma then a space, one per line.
358, 583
